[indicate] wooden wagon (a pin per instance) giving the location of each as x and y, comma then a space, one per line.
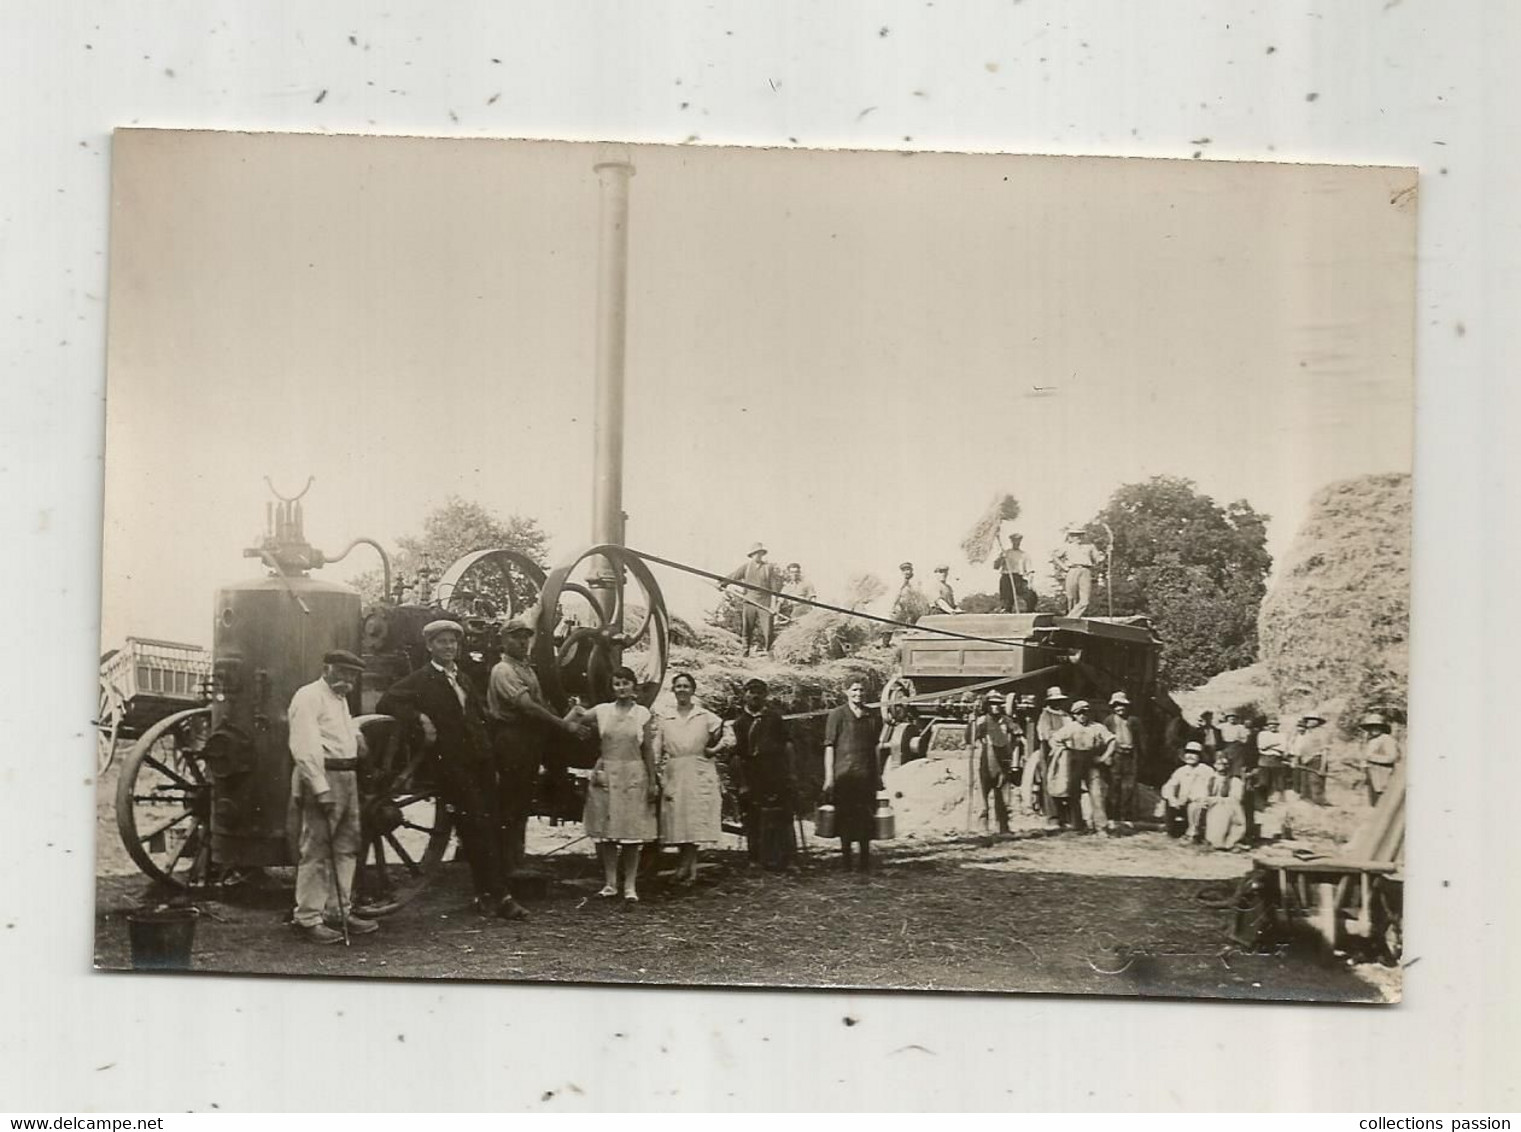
143, 682
1353, 901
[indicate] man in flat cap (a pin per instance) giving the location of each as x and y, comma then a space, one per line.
522, 727
763, 778
438, 707
910, 604
945, 597
1014, 570
1088, 748
324, 744
756, 611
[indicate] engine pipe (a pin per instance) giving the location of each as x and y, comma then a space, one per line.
604, 579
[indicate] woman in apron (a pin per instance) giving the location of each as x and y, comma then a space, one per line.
620, 803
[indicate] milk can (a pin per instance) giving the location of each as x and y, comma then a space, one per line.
884, 822
823, 821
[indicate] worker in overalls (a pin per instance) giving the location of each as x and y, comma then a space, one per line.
993, 738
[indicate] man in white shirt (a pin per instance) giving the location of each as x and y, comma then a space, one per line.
1077, 558
325, 746
1187, 794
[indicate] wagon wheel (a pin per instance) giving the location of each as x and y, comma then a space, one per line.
163, 801
583, 663
899, 689
404, 827
503, 578
1389, 935
108, 721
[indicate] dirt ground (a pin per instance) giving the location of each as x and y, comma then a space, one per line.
1135, 914
971, 913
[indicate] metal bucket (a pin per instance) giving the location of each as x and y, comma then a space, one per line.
884, 821
823, 822
161, 939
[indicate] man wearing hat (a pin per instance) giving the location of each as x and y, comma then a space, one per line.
993, 738
324, 744
1381, 754
910, 604
438, 707
756, 609
1014, 570
522, 728
1053, 717
945, 597
1076, 559
1186, 794
1310, 752
763, 778
1088, 748
1126, 730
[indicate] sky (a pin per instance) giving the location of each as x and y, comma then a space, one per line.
845, 355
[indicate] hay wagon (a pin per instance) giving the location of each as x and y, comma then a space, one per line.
141, 683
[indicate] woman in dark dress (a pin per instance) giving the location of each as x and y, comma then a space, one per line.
852, 775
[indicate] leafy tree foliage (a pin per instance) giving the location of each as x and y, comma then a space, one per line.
456, 528
1198, 569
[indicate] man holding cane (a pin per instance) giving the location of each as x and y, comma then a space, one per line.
325, 746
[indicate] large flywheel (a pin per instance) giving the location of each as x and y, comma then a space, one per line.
495, 583
577, 646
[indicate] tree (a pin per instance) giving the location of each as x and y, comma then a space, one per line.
1198, 569
453, 530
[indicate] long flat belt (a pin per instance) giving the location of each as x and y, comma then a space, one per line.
340, 764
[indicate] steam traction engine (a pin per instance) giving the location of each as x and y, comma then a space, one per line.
205, 794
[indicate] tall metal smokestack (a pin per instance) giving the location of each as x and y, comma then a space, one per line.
613, 172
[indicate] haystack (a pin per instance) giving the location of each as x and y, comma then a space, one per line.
820, 635
1334, 629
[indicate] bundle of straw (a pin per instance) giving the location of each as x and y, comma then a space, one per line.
980, 541
863, 589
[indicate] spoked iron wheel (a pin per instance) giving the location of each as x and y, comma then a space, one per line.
899, 690
639, 630
404, 825
489, 583
108, 721
163, 801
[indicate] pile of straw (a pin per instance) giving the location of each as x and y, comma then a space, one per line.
982, 539
820, 635
1334, 629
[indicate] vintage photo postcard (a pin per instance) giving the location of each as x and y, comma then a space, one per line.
715, 566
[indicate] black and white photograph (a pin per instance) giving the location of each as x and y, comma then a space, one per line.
699, 565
